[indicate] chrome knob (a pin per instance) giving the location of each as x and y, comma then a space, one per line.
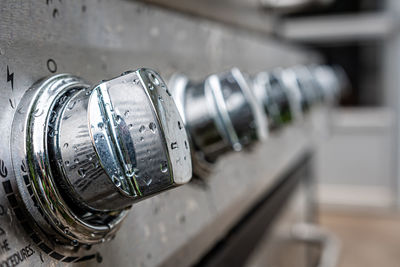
328, 81
220, 114
91, 152
308, 86
269, 91
290, 84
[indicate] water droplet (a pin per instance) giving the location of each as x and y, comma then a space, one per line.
100, 125
136, 172
102, 137
66, 163
66, 230
75, 148
160, 98
71, 105
130, 172
151, 87
141, 139
65, 145
126, 113
76, 161
148, 181
116, 181
51, 133
180, 125
38, 112
136, 81
74, 243
164, 167
20, 110
67, 117
118, 119
237, 147
130, 126
89, 157
148, 151
153, 79
186, 145
82, 172
142, 129
152, 127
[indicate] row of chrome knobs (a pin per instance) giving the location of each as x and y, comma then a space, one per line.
90, 152
231, 110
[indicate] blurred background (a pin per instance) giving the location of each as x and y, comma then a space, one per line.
357, 170
357, 167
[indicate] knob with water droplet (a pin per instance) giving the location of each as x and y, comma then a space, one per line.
93, 151
116, 124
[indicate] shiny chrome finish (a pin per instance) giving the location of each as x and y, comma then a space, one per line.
221, 114
279, 93
308, 86
268, 89
91, 153
291, 86
328, 82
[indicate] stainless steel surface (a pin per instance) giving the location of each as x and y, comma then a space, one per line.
339, 28
88, 39
248, 14
293, 6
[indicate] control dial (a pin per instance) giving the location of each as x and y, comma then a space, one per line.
91, 152
220, 113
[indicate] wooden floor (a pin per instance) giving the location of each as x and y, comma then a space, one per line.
368, 239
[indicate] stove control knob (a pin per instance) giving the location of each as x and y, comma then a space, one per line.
220, 113
91, 152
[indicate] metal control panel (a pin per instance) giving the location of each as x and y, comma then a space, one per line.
94, 41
